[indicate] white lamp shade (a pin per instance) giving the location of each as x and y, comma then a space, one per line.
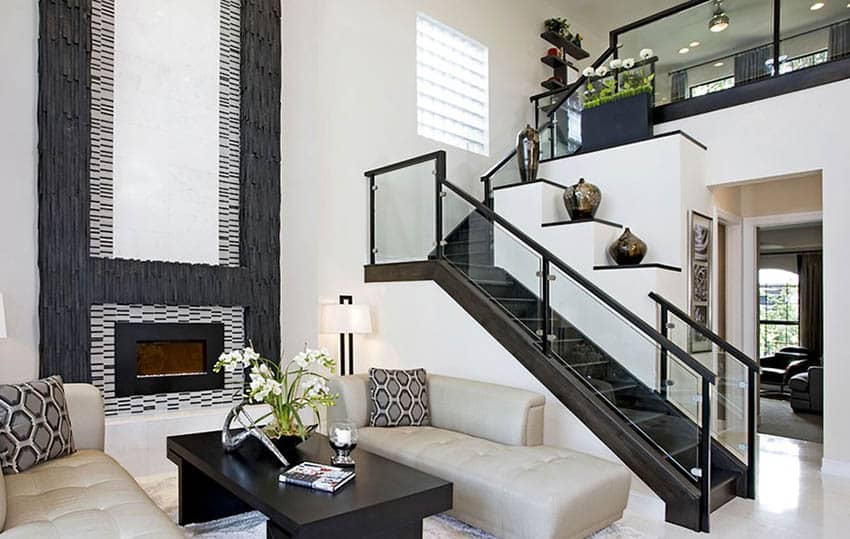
3, 334
338, 318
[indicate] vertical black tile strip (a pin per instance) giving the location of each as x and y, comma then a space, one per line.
70, 280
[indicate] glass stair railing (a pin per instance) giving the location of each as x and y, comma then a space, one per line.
662, 393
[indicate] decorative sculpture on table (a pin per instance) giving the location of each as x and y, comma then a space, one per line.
287, 388
528, 153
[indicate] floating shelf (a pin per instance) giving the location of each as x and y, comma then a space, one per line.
554, 61
638, 266
553, 84
580, 221
568, 46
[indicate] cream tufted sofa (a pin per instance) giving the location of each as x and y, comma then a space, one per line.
84, 495
486, 439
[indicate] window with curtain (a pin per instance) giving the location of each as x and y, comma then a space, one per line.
779, 310
452, 86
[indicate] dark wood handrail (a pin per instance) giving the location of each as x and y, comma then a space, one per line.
612, 303
707, 333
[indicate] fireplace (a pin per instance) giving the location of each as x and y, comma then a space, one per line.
153, 358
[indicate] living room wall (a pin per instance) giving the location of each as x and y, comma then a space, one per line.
18, 159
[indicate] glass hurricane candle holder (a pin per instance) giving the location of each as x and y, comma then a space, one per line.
342, 436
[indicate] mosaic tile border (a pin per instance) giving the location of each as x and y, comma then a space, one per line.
103, 319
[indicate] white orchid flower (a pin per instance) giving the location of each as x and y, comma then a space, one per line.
616, 63
601, 71
588, 72
628, 63
646, 54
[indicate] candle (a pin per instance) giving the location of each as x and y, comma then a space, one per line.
343, 437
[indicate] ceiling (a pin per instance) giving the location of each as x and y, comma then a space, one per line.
750, 25
790, 238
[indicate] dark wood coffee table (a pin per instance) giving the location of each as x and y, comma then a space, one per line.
384, 500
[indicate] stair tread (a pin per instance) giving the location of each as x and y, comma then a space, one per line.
722, 476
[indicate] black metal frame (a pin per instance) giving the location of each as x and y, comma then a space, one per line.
128, 335
753, 369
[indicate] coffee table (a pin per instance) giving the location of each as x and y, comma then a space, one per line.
384, 500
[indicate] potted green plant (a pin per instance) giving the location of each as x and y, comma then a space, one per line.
288, 388
558, 25
617, 102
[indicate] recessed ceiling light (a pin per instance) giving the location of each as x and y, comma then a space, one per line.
816, 6
718, 64
684, 50
694, 44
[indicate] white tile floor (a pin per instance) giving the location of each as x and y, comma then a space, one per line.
793, 499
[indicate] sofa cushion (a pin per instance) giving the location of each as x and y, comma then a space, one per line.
34, 424
529, 492
398, 398
86, 494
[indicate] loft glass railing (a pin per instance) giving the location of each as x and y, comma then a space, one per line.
698, 55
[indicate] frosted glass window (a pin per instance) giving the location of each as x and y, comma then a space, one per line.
452, 87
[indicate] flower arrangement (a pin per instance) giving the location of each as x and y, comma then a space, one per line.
602, 86
287, 388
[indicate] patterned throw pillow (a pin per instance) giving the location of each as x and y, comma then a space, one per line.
398, 398
34, 424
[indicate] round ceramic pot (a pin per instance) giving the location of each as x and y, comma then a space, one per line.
528, 153
582, 200
628, 249
288, 443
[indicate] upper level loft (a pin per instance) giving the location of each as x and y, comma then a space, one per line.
700, 56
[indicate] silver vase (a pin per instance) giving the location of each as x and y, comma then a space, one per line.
528, 153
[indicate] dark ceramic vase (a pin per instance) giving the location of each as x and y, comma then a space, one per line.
528, 153
288, 443
628, 249
582, 200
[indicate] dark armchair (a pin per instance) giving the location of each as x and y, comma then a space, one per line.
778, 369
807, 391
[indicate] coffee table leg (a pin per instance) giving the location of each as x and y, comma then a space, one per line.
201, 499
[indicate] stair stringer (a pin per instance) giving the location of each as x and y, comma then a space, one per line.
681, 496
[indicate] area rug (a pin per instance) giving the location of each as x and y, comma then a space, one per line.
776, 417
163, 491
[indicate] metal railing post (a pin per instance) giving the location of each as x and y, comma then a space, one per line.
705, 457
751, 434
440, 177
662, 369
372, 188
547, 313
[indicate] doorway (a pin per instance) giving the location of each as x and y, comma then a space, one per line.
789, 329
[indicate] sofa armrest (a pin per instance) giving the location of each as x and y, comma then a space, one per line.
497, 413
353, 401
85, 406
816, 388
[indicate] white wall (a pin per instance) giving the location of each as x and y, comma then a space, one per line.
350, 105
18, 271
795, 133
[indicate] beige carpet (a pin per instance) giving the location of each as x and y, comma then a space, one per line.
163, 490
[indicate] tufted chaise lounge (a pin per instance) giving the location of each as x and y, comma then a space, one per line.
83, 495
486, 439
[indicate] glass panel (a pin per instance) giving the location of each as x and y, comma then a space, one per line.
812, 36
729, 407
691, 55
496, 261
405, 213
508, 174
624, 366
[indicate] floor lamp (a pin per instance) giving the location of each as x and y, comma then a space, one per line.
346, 319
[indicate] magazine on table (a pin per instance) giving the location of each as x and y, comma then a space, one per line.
317, 476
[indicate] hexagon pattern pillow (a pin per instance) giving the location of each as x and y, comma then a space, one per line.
398, 398
34, 424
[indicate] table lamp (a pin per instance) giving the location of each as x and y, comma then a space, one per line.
346, 319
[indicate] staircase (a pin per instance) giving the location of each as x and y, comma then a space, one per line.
604, 363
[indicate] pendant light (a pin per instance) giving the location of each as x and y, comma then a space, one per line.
719, 21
